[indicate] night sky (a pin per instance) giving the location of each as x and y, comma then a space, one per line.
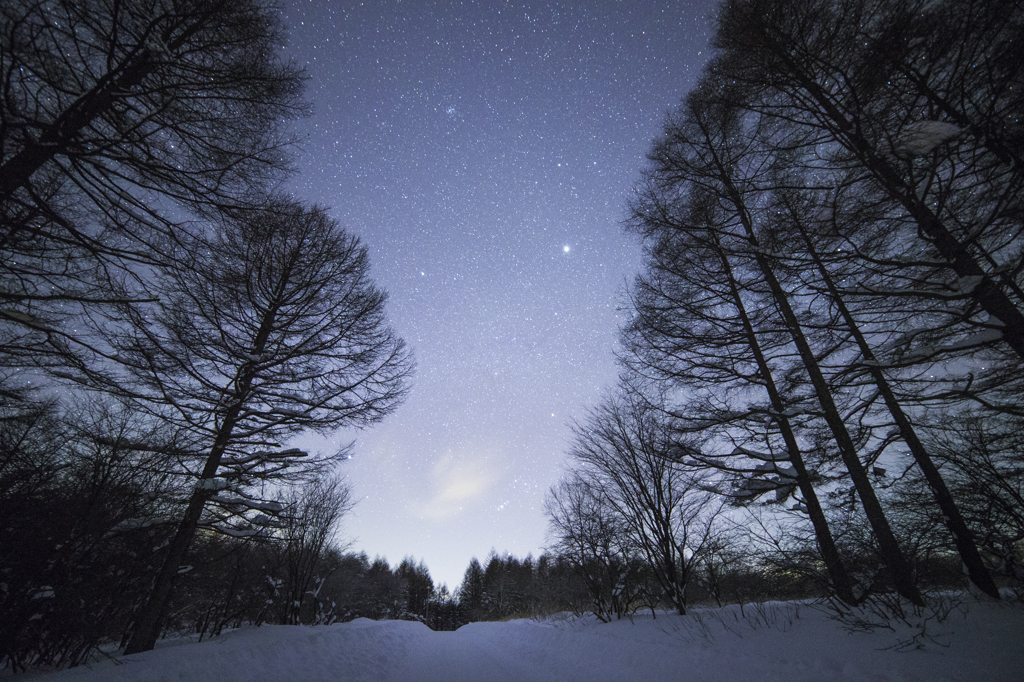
484, 152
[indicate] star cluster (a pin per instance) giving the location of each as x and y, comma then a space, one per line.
484, 151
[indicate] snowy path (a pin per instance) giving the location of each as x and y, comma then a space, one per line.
785, 642
527, 651
452, 656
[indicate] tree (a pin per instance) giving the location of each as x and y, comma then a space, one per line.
312, 514
471, 592
275, 330
912, 118
710, 340
983, 458
417, 587
587, 532
714, 148
83, 507
443, 612
118, 119
383, 590
625, 450
792, 213
854, 178
889, 86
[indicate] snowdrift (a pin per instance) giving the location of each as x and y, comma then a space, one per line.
772, 641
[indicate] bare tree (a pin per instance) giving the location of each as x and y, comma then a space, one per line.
587, 532
83, 506
625, 450
921, 111
312, 515
275, 330
793, 212
117, 120
983, 459
705, 334
714, 147
899, 125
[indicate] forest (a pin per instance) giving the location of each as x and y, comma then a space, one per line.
821, 367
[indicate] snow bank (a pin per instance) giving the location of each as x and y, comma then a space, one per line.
922, 138
774, 641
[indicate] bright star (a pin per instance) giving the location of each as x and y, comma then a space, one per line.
565, 249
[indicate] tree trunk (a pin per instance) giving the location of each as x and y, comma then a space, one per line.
841, 581
951, 515
147, 625
900, 568
986, 292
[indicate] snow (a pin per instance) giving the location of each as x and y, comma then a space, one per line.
921, 138
44, 592
132, 524
981, 338
236, 532
274, 454
770, 641
21, 317
773, 467
763, 456
995, 321
969, 283
788, 412
212, 484
260, 505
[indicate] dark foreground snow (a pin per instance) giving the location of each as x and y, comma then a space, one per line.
773, 641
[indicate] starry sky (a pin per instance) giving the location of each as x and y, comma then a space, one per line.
484, 152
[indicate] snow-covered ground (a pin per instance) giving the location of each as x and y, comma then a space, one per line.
774, 641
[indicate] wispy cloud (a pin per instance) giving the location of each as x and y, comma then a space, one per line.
460, 479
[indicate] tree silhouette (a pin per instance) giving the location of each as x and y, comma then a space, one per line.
275, 330
118, 121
